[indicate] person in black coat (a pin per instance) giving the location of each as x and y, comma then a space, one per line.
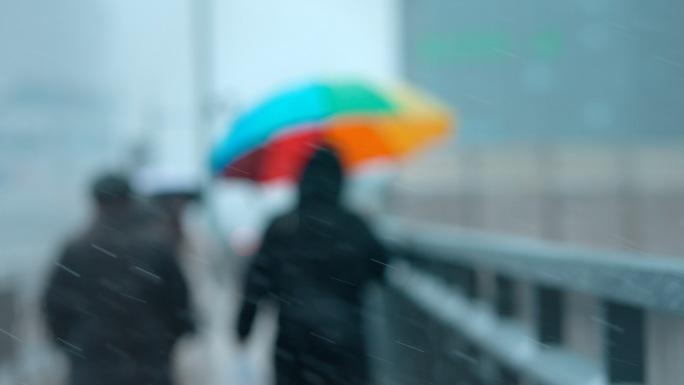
116, 301
315, 262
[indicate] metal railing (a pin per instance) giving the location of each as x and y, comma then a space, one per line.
470, 308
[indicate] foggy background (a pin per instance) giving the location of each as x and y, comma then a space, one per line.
570, 114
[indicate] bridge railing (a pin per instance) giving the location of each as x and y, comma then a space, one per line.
469, 308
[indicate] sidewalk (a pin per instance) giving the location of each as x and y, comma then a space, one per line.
214, 356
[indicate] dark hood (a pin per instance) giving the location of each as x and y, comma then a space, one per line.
322, 180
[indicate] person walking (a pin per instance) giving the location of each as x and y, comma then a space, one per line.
116, 301
315, 262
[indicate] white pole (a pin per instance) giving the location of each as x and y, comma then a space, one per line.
203, 68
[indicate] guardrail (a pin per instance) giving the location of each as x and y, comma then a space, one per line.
470, 308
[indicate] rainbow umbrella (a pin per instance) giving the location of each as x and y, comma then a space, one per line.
361, 122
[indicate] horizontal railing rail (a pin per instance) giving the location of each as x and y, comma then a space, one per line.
653, 282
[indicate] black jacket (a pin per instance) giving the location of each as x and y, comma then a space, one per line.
117, 293
315, 262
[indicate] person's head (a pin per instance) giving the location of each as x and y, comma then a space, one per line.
322, 179
169, 187
112, 195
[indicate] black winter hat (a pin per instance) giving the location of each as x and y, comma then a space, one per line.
111, 188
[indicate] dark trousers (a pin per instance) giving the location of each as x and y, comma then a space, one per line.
120, 372
319, 367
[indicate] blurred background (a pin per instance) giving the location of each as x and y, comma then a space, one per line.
570, 119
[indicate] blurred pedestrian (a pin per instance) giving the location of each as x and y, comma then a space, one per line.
168, 190
315, 263
116, 301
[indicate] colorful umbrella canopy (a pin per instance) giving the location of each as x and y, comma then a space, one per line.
361, 122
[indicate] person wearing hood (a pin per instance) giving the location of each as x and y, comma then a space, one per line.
116, 301
315, 262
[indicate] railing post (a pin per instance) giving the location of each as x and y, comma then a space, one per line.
624, 339
486, 286
505, 297
506, 306
549, 316
466, 280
